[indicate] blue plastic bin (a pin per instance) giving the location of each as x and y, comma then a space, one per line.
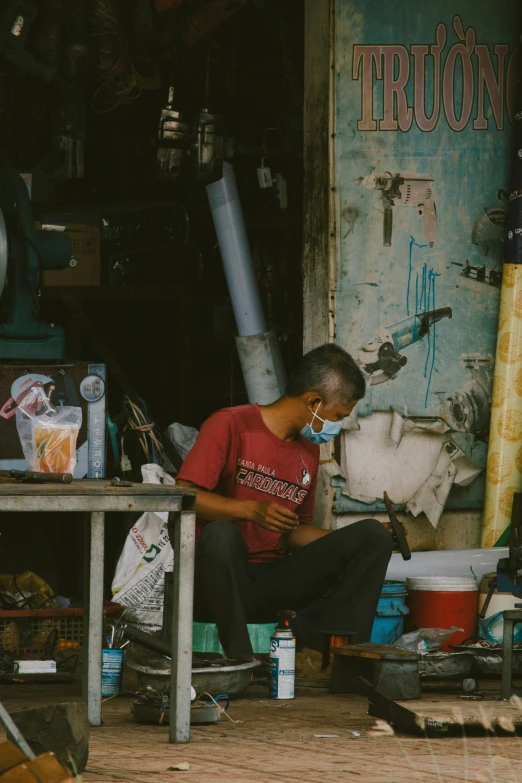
388, 625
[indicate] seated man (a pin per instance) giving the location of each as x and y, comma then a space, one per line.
255, 470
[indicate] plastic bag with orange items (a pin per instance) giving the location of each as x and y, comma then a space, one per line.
48, 435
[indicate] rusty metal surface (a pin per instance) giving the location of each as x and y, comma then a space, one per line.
445, 666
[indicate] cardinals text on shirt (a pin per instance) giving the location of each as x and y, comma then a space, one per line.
263, 479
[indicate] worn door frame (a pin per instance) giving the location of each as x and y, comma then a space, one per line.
319, 210
319, 239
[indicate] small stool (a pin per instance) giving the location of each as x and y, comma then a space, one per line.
511, 618
334, 639
392, 671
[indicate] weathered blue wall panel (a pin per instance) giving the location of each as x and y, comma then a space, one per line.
423, 89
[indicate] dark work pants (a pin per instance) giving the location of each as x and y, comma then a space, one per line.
334, 584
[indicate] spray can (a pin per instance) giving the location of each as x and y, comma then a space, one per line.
282, 658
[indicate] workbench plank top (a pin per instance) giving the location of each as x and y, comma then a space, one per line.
93, 487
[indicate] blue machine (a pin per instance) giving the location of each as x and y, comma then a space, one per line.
24, 253
509, 580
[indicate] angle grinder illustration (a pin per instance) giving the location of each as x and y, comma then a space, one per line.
488, 235
405, 189
470, 406
382, 358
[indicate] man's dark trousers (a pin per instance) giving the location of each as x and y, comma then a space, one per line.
347, 565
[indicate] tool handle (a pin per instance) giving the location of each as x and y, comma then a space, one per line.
34, 477
492, 585
388, 224
147, 640
398, 532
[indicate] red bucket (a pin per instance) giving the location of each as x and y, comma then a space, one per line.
444, 602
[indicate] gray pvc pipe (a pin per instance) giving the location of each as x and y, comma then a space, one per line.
235, 252
262, 367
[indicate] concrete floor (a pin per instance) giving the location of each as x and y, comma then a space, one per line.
274, 741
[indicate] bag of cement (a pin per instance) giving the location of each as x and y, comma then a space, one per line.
139, 578
183, 438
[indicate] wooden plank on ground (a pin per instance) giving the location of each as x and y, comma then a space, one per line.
488, 714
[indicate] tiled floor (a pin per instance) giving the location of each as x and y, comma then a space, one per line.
275, 741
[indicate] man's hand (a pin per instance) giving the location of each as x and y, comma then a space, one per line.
270, 515
274, 517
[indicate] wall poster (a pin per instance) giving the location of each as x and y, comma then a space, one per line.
423, 128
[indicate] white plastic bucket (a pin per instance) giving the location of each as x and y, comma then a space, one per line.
445, 562
442, 584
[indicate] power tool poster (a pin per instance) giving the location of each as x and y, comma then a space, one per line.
424, 96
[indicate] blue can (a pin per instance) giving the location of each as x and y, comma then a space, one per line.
112, 670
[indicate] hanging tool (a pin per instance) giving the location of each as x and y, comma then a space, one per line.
397, 530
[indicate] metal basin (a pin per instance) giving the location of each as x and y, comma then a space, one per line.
446, 666
233, 680
488, 660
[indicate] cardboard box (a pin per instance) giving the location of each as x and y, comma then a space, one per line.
82, 385
36, 667
85, 268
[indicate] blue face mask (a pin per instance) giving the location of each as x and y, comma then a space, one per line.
329, 430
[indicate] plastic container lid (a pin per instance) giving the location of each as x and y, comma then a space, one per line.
390, 588
442, 584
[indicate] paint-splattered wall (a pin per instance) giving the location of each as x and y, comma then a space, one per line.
423, 96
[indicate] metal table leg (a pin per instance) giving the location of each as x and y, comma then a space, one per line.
93, 617
511, 618
182, 538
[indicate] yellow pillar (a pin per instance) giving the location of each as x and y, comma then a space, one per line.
504, 470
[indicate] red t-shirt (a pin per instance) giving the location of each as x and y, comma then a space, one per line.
237, 456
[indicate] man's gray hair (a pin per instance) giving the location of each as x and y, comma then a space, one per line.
331, 372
